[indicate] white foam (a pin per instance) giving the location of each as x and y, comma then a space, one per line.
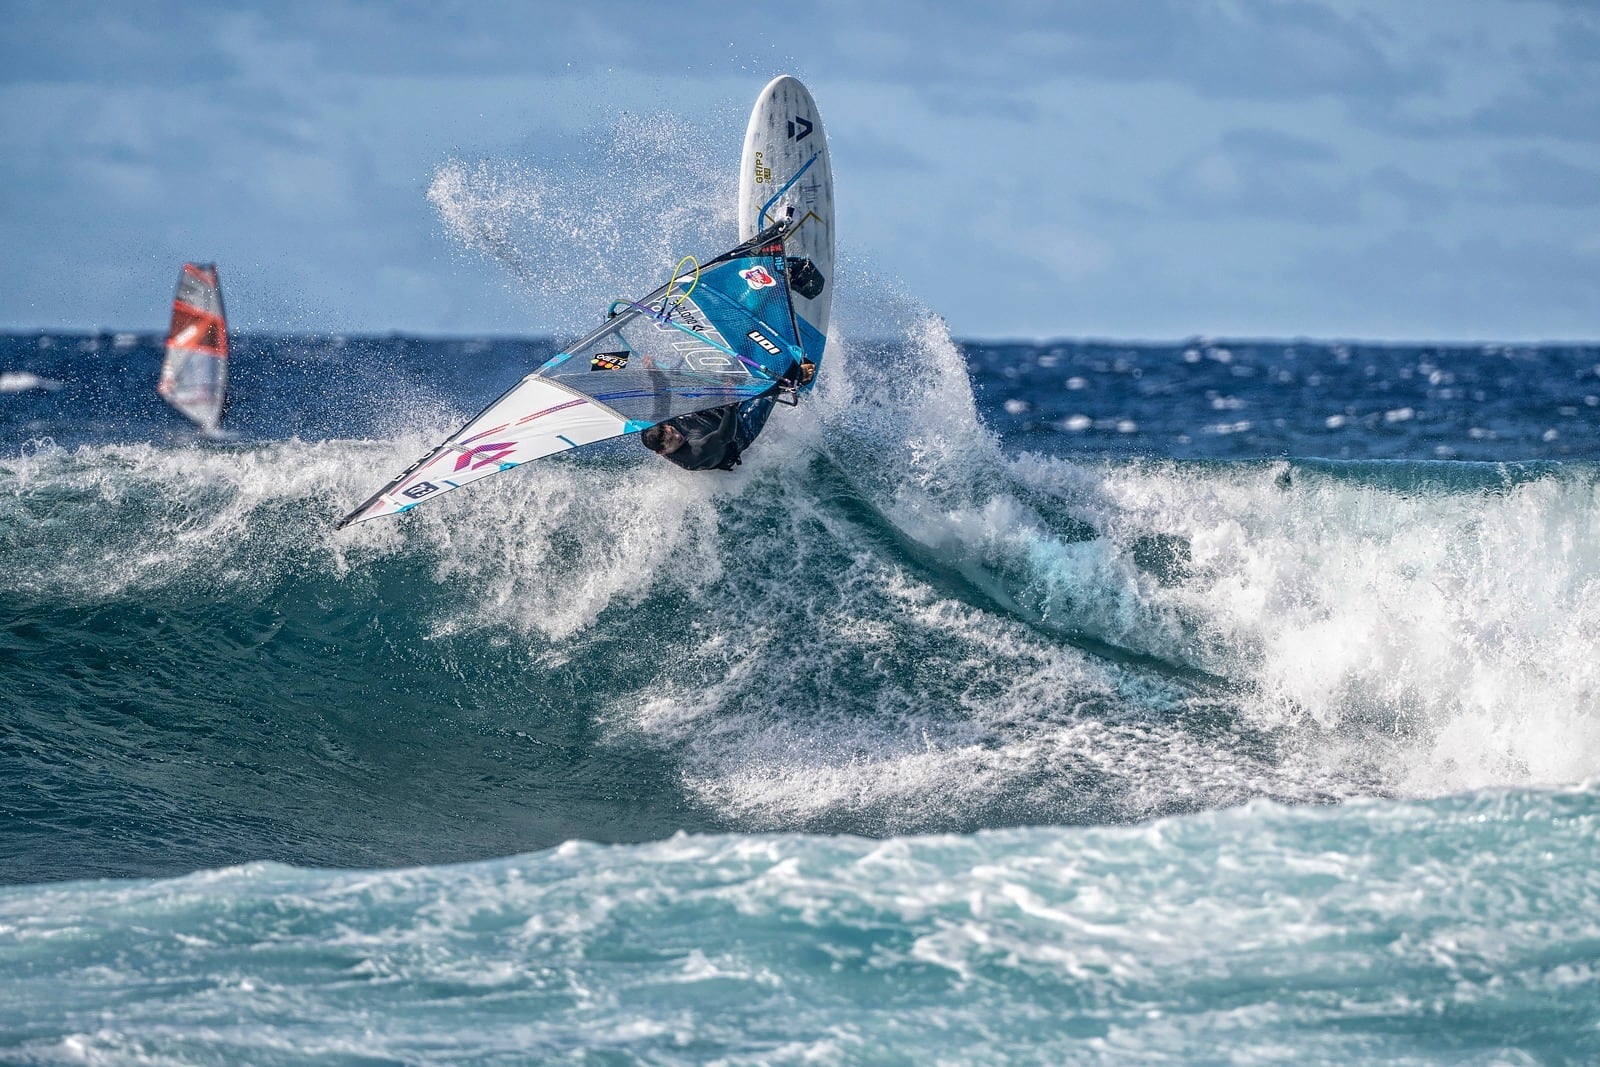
860, 694
19, 381
1449, 633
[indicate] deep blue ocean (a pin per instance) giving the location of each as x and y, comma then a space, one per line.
1078, 702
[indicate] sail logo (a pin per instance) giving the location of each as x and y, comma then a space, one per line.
685, 314
768, 346
763, 172
480, 456
420, 490
757, 278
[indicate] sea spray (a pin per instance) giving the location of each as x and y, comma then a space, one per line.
575, 235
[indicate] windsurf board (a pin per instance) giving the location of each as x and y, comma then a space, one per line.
785, 173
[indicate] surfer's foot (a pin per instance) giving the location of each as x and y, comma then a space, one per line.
808, 371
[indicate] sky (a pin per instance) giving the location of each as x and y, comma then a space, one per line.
1134, 170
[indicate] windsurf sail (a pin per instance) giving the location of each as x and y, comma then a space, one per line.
718, 333
194, 375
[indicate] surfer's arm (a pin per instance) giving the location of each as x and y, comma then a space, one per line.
707, 436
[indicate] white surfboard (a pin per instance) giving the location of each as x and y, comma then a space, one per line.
786, 167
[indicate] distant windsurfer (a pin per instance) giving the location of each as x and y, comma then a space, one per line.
717, 438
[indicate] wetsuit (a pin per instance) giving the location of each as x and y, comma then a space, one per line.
714, 440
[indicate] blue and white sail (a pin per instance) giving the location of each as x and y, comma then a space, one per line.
720, 333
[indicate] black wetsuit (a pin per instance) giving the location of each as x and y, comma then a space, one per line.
714, 440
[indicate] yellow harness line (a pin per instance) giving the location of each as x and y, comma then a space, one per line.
667, 303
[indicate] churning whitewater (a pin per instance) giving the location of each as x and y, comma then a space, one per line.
861, 630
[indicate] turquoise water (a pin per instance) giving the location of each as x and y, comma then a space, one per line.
1458, 930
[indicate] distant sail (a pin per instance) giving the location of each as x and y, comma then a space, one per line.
722, 334
194, 375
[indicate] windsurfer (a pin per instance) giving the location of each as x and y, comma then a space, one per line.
715, 439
